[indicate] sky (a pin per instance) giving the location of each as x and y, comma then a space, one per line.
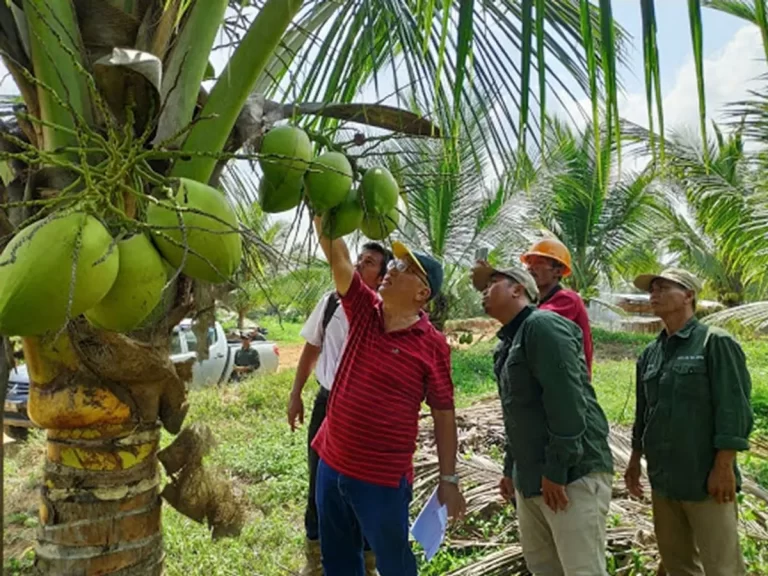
734, 59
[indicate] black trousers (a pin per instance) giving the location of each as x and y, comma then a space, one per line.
313, 459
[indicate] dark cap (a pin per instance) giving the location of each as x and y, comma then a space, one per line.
431, 268
483, 272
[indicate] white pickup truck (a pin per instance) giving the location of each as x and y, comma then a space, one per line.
221, 354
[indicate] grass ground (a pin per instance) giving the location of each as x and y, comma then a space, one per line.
262, 456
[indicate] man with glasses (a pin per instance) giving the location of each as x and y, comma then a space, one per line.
549, 261
556, 433
325, 333
693, 414
393, 360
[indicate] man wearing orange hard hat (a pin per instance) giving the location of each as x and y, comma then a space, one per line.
549, 261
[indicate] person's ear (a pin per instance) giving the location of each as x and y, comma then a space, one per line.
423, 295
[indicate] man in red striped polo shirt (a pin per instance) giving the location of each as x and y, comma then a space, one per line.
394, 359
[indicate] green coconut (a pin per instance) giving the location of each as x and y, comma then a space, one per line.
167, 298
328, 181
215, 245
344, 218
137, 289
379, 226
286, 152
278, 194
36, 273
379, 190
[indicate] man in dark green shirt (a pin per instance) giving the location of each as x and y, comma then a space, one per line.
247, 359
557, 454
693, 415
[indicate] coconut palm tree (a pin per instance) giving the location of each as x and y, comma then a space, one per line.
118, 102
718, 227
609, 226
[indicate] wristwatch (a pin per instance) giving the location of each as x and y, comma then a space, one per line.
451, 479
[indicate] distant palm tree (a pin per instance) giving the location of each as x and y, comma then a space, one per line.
609, 226
718, 226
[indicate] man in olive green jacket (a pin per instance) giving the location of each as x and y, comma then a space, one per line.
693, 415
557, 454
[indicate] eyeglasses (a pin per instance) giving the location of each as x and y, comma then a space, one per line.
402, 265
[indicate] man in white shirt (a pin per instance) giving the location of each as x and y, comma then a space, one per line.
325, 333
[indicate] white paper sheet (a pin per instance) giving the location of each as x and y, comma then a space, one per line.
429, 527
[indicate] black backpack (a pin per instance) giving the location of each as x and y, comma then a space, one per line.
330, 310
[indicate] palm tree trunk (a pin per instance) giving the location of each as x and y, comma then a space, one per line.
100, 506
100, 509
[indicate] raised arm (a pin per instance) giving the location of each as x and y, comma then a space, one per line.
337, 254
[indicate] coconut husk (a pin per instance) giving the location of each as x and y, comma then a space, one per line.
190, 447
205, 495
481, 431
140, 374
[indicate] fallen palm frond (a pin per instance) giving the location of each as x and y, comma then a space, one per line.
631, 541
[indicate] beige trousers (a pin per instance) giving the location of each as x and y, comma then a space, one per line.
698, 538
570, 542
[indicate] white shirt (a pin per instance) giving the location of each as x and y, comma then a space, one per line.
332, 346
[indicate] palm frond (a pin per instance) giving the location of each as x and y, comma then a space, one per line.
448, 53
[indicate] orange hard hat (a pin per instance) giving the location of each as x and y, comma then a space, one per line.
550, 248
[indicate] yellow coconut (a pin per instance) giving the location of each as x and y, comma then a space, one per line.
344, 218
36, 273
379, 226
212, 233
328, 181
379, 190
137, 289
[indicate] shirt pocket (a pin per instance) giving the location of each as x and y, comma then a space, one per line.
518, 387
690, 380
650, 383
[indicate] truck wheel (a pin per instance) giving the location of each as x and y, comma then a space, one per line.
16, 432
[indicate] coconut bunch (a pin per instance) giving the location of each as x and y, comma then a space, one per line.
69, 263
327, 182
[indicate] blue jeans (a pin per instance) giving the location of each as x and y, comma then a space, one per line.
349, 510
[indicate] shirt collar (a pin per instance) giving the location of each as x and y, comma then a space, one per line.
420, 326
510, 329
684, 332
552, 292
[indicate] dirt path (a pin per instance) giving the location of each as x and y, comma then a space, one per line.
289, 356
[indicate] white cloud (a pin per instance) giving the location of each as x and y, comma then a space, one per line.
729, 75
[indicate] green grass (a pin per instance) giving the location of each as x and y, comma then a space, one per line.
258, 449
283, 332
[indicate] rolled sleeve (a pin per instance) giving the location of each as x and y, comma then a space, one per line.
439, 385
731, 387
556, 361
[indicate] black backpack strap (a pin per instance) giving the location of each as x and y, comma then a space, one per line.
330, 310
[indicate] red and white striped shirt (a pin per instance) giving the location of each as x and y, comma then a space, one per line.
372, 421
